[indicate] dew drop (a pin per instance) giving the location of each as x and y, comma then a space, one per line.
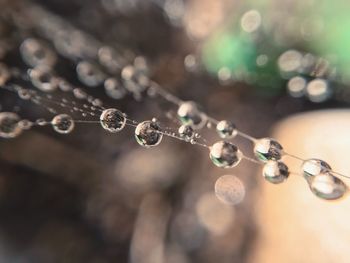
314, 167
148, 134
43, 80
9, 127
189, 114
35, 53
225, 155
267, 149
62, 123
114, 89
186, 132
326, 186
226, 129
112, 120
89, 74
275, 172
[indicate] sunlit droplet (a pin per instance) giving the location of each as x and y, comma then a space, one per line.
327, 186
9, 127
267, 149
112, 120
224, 154
148, 134
62, 123
275, 172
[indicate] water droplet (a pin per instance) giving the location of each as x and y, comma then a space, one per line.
43, 80
79, 94
64, 85
226, 129
224, 154
35, 53
148, 134
24, 94
327, 186
186, 132
89, 74
275, 172
229, 189
114, 89
62, 123
110, 59
268, 149
313, 167
9, 127
25, 124
134, 80
189, 114
97, 103
112, 120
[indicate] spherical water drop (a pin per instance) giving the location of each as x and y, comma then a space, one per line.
79, 94
229, 189
313, 167
25, 124
225, 154
9, 127
112, 120
114, 89
186, 132
134, 80
189, 114
148, 134
64, 85
89, 74
35, 53
97, 103
275, 172
226, 129
110, 59
267, 149
43, 80
24, 94
62, 123
327, 186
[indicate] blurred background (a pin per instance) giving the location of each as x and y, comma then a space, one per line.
275, 68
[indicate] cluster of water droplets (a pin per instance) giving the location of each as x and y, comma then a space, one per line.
98, 65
